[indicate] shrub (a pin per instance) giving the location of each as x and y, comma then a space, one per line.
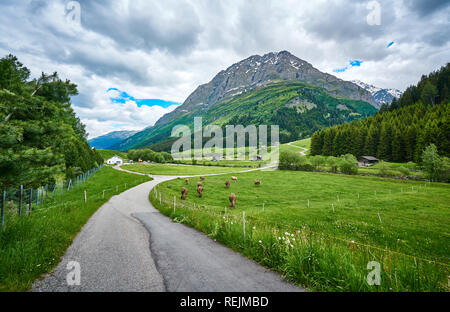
317, 161
348, 164
333, 162
288, 160
404, 171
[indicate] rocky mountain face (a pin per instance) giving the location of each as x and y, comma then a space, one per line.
380, 96
256, 71
107, 141
253, 73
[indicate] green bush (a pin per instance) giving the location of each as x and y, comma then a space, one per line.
348, 164
404, 171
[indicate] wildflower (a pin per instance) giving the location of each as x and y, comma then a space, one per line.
293, 239
260, 241
292, 235
292, 246
286, 233
254, 227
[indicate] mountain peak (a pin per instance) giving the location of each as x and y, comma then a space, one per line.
380, 95
257, 71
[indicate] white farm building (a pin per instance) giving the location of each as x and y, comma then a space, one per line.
115, 160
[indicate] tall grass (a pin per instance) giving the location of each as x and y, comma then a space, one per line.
33, 244
316, 247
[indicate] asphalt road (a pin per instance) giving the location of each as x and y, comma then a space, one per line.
128, 245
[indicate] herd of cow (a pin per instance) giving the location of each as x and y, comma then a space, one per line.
232, 196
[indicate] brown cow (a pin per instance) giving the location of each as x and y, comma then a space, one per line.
257, 182
200, 191
202, 178
234, 178
184, 192
187, 181
199, 183
232, 199
227, 184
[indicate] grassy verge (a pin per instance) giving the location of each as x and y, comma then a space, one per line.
166, 169
327, 244
33, 245
225, 163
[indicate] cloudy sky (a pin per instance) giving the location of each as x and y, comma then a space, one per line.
134, 61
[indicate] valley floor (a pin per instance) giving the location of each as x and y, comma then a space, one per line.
335, 225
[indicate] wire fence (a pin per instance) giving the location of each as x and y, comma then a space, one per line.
23, 201
251, 217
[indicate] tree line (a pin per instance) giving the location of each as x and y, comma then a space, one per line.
149, 155
399, 132
41, 138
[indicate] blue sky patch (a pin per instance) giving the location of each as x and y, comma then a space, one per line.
352, 63
123, 97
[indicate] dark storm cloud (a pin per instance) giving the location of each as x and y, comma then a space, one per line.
147, 26
427, 7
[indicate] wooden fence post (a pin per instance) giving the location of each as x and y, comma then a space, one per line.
3, 208
20, 200
243, 223
30, 200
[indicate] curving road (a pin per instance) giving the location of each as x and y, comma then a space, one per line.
304, 150
128, 245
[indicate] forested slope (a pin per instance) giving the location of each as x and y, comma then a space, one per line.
399, 132
41, 138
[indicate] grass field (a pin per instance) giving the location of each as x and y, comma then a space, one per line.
326, 245
226, 163
168, 169
295, 146
305, 143
106, 154
33, 245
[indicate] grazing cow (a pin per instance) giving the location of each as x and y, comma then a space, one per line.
257, 182
199, 183
232, 199
234, 178
184, 192
187, 181
227, 184
202, 178
200, 191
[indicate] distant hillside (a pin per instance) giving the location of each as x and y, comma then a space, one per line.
401, 131
298, 109
255, 74
108, 140
106, 154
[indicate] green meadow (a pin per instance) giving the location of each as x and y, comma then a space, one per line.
321, 230
173, 169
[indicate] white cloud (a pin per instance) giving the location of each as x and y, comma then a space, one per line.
164, 50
